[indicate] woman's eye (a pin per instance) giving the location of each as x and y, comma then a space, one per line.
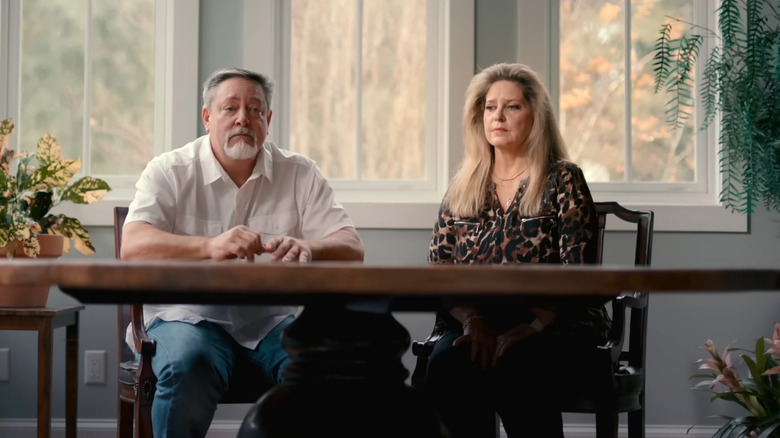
490, 108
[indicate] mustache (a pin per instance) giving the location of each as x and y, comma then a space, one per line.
241, 131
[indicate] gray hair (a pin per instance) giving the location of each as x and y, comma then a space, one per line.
224, 74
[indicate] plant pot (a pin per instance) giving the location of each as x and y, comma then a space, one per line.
51, 247
36, 293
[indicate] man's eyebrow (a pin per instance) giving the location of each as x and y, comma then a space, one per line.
257, 99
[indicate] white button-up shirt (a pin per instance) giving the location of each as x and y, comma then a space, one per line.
187, 192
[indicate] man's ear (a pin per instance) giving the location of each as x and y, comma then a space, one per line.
268, 119
205, 116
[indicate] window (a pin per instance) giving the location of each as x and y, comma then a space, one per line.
373, 91
679, 182
98, 75
392, 164
597, 58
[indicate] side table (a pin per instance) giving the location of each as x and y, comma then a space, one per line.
44, 320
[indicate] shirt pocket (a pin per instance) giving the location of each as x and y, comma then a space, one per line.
538, 237
273, 225
467, 235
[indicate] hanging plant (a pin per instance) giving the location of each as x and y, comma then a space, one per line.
740, 88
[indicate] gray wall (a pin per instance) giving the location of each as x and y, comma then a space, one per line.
678, 327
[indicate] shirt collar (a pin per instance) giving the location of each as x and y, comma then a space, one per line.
212, 170
264, 164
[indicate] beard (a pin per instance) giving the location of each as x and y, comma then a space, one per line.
241, 150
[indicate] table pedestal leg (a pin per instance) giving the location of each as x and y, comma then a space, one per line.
345, 378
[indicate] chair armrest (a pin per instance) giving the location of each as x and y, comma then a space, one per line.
617, 332
423, 350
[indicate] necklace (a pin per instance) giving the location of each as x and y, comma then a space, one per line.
508, 179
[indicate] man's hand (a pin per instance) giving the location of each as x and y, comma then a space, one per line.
288, 249
238, 242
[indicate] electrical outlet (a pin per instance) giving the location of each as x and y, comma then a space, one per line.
95, 366
5, 364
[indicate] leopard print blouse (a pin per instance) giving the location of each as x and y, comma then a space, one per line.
562, 232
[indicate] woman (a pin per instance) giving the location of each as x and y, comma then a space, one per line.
515, 199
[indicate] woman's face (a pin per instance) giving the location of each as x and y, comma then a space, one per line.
508, 117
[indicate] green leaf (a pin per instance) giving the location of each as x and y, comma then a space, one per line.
662, 57
72, 229
53, 175
86, 190
49, 150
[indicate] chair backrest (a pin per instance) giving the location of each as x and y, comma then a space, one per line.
644, 230
124, 311
628, 381
634, 353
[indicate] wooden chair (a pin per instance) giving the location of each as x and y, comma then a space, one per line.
137, 382
621, 389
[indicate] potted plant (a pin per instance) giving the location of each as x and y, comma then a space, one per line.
30, 186
758, 394
740, 86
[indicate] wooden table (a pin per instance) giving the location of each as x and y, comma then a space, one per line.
107, 281
44, 320
345, 346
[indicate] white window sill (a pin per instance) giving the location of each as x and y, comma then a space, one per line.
667, 218
422, 215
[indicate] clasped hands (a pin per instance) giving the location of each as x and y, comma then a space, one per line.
488, 346
241, 242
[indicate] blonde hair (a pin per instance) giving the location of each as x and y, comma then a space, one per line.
468, 188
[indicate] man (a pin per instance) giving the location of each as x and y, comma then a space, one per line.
227, 195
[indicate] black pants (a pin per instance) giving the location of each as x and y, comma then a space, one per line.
522, 389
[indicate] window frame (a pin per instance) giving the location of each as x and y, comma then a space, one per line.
176, 75
693, 207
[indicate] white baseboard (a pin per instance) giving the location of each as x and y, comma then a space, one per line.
26, 428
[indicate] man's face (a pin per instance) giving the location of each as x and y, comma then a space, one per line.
237, 119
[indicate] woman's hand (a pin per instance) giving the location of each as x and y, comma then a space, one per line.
482, 337
510, 338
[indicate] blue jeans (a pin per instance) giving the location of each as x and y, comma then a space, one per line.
195, 365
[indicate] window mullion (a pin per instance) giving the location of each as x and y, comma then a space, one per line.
86, 148
11, 64
628, 176
358, 90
